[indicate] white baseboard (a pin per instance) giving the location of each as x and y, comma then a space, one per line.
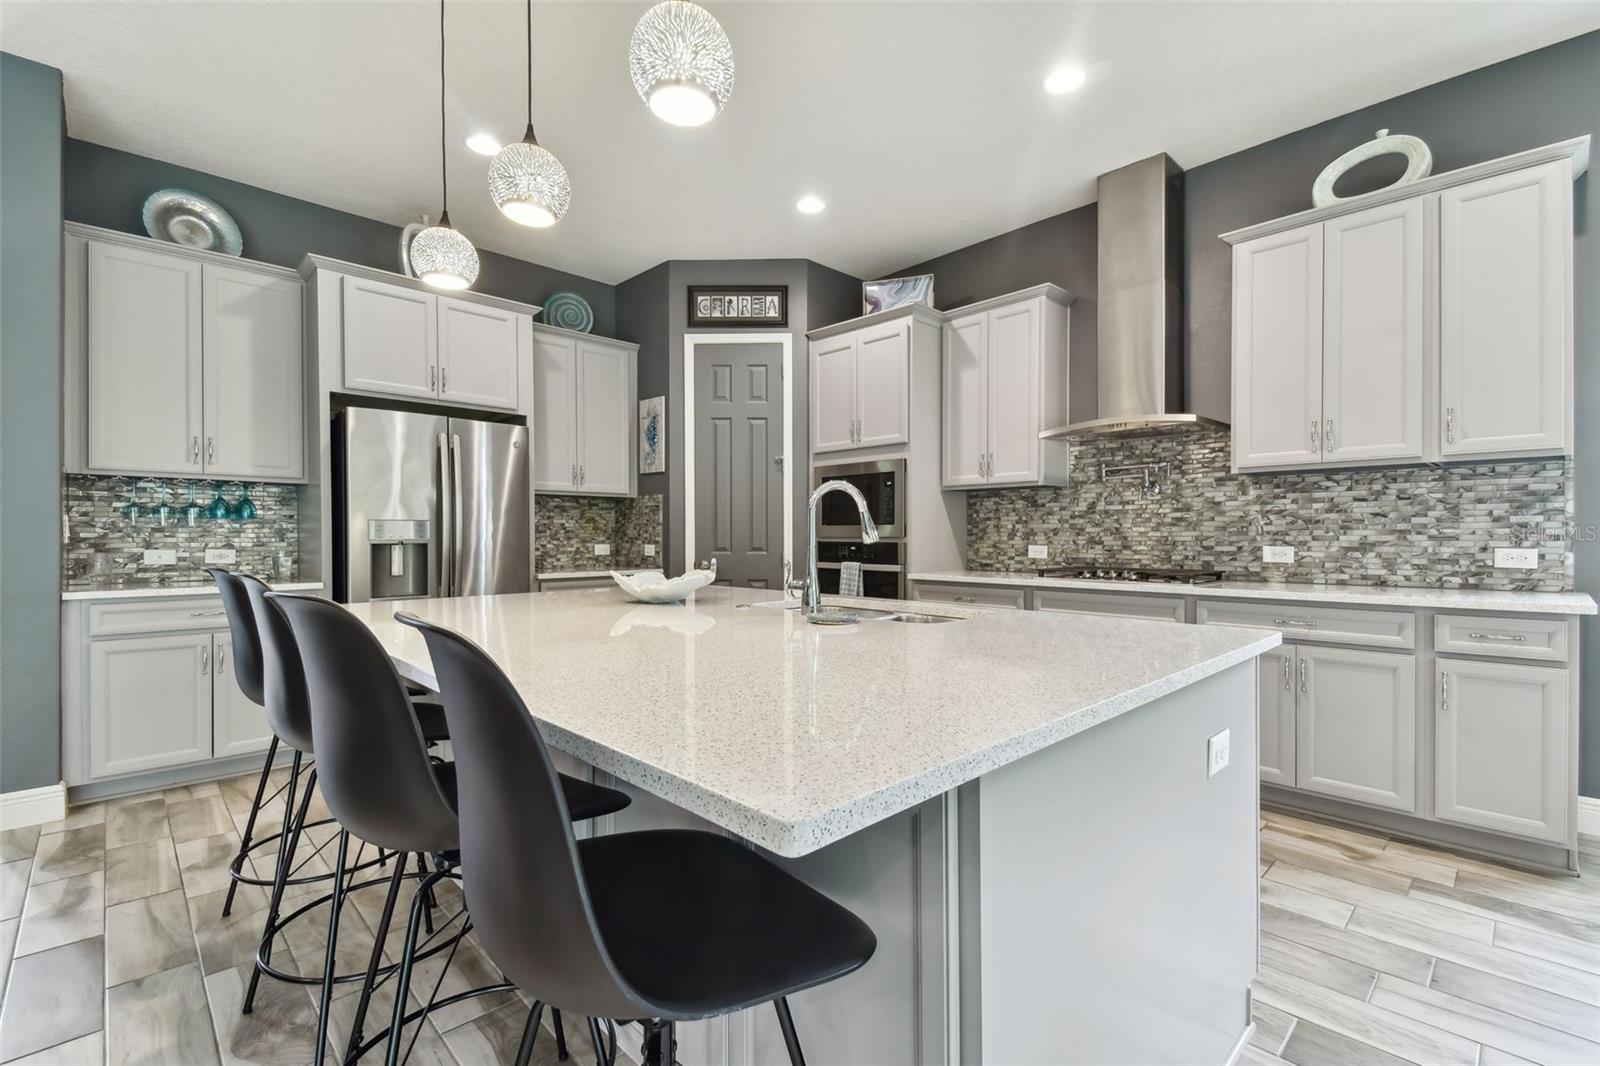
1589, 816
33, 806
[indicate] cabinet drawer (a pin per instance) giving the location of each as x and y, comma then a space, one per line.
156, 616
1512, 638
973, 595
1332, 625
1167, 608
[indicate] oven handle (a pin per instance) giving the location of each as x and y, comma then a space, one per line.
881, 568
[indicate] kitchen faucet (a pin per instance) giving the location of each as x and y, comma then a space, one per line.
810, 591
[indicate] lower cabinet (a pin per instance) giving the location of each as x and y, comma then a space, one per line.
1275, 704
238, 725
1501, 749
1356, 725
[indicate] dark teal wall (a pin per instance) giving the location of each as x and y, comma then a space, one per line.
31, 133
107, 188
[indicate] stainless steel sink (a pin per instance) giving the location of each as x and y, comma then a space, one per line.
921, 619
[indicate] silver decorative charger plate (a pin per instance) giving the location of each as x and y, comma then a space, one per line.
194, 221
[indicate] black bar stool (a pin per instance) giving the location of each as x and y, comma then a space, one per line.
380, 784
578, 924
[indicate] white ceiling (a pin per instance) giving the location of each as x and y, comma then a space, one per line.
923, 125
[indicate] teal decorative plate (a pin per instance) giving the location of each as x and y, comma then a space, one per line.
568, 310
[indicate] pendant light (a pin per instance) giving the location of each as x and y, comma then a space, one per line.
527, 183
682, 63
441, 255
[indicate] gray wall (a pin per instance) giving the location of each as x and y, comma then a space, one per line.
107, 188
1534, 99
31, 132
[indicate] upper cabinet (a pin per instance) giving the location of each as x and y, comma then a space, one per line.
180, 363
584, 414
861, 387
1005, 380
1430, 322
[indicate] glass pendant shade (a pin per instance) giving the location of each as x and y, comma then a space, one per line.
443, 258
682, 63
528, 184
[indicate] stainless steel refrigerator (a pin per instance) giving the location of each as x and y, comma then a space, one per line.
426, 505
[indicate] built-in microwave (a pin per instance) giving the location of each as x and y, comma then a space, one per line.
882, 483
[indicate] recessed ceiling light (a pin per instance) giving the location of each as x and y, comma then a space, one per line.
1065, 80
483, 144
809, 205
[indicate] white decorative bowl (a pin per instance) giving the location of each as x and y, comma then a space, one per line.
652, 586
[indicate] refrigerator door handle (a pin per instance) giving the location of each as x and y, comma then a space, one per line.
446, 500
455, 514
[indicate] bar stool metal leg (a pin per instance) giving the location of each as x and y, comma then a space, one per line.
250, 824
561, 1035
288, 841
381, 935
791, 1039
530, 1033
402, 986
335, 905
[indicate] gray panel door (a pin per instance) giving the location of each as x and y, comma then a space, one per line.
738, 476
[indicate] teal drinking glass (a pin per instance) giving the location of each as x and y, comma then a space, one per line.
245, 508
218, 510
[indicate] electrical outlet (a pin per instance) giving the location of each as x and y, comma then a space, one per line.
1038, 551
649, 551
160, 557
221, 556
1516, 558
1217, 753
602, 549
1277, 553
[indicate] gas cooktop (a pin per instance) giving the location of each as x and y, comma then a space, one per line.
1120, 572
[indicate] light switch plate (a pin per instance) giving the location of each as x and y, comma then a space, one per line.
221, 556
602, 549
1217, 752
649, 551
160, 557
1038, 551
1516, 558
1277, 553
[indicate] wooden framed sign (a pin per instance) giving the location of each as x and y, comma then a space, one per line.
738, 305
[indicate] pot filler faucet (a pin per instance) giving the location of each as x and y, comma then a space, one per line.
810, 590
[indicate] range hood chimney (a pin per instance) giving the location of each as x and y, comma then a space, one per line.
1140, 304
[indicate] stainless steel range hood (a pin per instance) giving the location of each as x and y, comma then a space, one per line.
1140, 216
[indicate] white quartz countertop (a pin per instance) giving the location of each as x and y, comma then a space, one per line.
187, 590
793, 735
1490, 600
569, 575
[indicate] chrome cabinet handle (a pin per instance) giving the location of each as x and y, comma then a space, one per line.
1444, 690
221, 661
194, 449
583, 478
433, 379
1288, 674
1450, 425
206, 614
574, 473
1305, 681
1517, 637
205, 661
1327, 436
1294, 622
211, 450
964, 599
444, 379
1314, 437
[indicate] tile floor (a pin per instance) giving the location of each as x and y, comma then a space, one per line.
1373, 951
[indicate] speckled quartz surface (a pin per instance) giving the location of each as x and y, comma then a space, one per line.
1494, 601
793, 735
181, 590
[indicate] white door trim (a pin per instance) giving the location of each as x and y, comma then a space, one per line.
691, 342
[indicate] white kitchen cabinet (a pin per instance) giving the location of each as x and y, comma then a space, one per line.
1505, 314
861, 388
1277, 350
149, 702
1375, 310
143, 367
391, 338
1275, 705
1005, 380
238, 725
585, 414
1502, 747
1356, 725
478, 354
833, 394
253, 375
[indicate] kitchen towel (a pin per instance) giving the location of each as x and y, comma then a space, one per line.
849, 579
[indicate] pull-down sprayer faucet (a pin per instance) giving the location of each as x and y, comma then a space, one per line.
810, 591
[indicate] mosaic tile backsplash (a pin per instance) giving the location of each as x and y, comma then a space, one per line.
566, 529
103, 549
1411, 525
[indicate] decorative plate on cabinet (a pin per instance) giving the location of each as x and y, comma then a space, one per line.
568, 310
194, 221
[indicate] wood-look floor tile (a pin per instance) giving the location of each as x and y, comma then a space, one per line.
1312, 1045
1303, 855
1556, 948
430, 1049
1272, 1026
179, 793
238, 793
136, 820
494, 1037
1525, 1001
78, 817
1352, 945
13, 887
228, 942
71, 853
1483, 1024
17, 844
134, 871
1372, 855
1550, 976
1250, 1056
1504, 910
280, 1031
73, 908
1390, 1032
87, 1050
471, 968
195, 818
1495, 1057
52, 997
1297, 900
8, 941
1326, 832
1446, 919
1552, 894
1341, 975
162, 1018
146, 936
203, 863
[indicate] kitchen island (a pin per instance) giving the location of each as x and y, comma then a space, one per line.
1019, 805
